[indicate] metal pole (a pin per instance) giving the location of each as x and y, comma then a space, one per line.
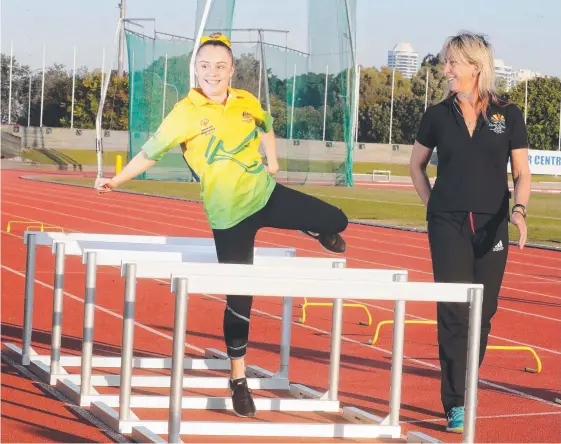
87, 336
474, 338
10, 93
293, 99
391, 106
179, 326
131, 89
121, 71
351, 31
260, 80
164, 94
28, 298
29, 103
128, 342
427, 89
192, 79
43, 87
286, 331
264, 68
58, 291
102, 73
526, 103
357, 103
335, 355
397, 356
325, 100
73, 89
559, 138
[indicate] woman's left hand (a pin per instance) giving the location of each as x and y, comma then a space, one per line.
519, 222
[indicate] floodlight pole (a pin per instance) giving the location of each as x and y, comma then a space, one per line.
121, 71
192, 79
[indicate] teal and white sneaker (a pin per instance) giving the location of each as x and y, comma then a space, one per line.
455, 419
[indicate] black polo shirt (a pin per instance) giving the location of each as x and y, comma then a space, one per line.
472, 170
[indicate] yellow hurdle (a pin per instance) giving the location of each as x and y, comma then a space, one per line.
489, 347
330, 304
42, 227
15, 222
118, 164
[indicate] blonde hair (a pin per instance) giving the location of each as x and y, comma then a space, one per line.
474, 49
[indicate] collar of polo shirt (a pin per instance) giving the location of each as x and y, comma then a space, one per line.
199, 99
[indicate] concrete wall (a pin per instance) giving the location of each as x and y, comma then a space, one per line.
64, 138
11, 146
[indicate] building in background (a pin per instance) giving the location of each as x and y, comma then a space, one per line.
404, 59
504, 75
522, 75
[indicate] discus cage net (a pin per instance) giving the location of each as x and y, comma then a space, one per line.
311, 94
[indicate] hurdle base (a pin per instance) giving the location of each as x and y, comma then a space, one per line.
418, 437
143, 434
255, 429
110, 417
358, 416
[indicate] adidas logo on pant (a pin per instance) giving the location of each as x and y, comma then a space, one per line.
499, 246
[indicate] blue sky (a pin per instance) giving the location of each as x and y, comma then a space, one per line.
524, 34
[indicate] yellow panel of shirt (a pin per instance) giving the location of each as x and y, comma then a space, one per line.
222, 147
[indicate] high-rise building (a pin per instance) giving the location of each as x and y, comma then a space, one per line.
404, 59
505, 73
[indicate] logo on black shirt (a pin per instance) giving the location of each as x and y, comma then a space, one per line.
498, 123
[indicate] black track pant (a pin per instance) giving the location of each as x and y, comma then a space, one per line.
287, 209
465, 248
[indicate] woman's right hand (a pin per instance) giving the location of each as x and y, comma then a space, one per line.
104, 185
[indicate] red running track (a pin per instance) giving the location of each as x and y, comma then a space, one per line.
514, 406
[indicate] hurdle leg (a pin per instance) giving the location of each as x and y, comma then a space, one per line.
56, 331
472, 376
177, 369
87, 338
335, 355
127, 343
28, 297
285, 337
397, 360
286, 331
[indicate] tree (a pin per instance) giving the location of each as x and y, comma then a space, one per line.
544, 96
20, 90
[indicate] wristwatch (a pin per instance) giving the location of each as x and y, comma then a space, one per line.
519, 208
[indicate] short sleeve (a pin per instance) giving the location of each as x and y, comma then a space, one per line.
426, 135
171, 132
517, 129
262, 118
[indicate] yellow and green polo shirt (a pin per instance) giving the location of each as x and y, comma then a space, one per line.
221, 145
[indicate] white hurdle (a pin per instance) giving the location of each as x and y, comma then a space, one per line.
287, 282
106, 250
34, 239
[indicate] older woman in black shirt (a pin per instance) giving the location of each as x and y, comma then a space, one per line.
468, 209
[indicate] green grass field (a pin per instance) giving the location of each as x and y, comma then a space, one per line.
394, 207
175, 160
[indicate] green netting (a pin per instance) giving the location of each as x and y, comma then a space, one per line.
309, 151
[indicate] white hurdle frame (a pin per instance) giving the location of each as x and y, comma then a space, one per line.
281, 282
321, 268
113, 249
34, 239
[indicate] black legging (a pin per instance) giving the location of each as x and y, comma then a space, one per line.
465, 248
287, 209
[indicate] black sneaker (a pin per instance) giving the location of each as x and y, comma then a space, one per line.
331, 242
241, 398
